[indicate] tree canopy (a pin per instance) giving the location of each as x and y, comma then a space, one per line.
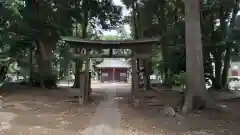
30, 33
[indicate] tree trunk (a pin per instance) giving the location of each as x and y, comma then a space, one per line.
30, 64
146, 74
217, 84
138, 21
135, 17
47, 79
84, 25
78, 68
3, 72
226, 66
228, 53
38, 78
137, 31
164, 48
77, 64
196, 95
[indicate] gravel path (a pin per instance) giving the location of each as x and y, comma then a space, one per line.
107, 118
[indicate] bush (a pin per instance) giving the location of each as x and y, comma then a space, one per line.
180, 79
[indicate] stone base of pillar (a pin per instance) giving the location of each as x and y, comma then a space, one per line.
1, 102
135, 101
80, 101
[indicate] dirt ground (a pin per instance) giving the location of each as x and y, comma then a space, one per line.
32, 111
150, 119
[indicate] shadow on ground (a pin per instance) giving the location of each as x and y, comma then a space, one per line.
149, 118
39, 111
56, 112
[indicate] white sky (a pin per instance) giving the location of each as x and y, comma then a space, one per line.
125, 12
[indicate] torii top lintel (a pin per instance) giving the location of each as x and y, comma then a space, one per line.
108, 44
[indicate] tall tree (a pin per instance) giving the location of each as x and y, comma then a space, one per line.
196, 91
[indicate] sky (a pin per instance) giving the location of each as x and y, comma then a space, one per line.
125, 12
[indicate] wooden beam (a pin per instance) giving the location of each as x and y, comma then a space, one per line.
106, 44
80, 56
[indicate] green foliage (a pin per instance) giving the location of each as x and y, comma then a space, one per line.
27, 23
13, 67
180, 79
122, 35
4, 68
24, 21
166, 19
24, 24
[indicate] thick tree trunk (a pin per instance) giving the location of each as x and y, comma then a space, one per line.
146, 74
3, 72
228, 53
163, 25
46, 52
78, 68
137, 31
226, 67
217, 84
196, 96
135, 17
77, 63
30, 64
44, 60
84, 25
38, 78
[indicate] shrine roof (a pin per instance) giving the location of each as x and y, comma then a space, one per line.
113, 63
77, 41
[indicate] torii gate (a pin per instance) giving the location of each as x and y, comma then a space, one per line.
141, 49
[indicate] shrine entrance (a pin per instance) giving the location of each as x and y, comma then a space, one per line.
141, 51
113, 70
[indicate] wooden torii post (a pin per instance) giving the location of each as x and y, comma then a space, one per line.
143, 54
145, 57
